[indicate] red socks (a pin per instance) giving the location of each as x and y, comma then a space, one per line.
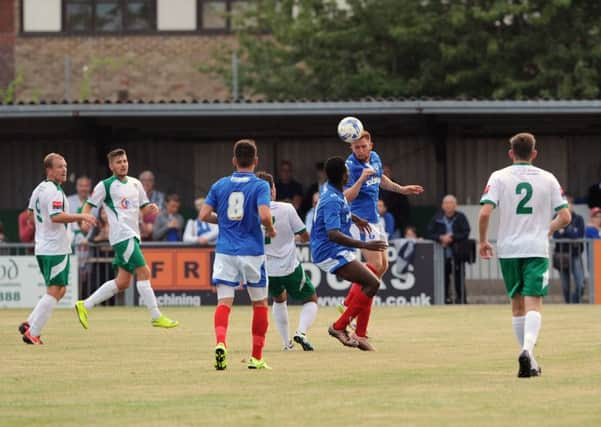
363, 319
259, 329
355, 287
358, 303
221, 319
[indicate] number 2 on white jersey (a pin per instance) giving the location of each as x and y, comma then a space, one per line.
235, 206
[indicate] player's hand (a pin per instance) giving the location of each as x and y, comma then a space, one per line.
486, 250
151, 209
412, 189
87, 220
270, 232
366, 173
376, 245
362, 224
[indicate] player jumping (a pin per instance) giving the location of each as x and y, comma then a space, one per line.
331, 250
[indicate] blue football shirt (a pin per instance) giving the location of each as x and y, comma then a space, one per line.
236, 200
331, 213
365, 204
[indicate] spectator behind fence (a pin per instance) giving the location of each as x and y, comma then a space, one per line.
169, 224
26, 226
567, 257
198, 231
311, 213
316, 187
2, 235
386, 220
83, 188
451, 229
154, 196
287, 188
396, 203
594, 194
593, 230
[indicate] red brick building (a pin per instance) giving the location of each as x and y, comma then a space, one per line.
113, 49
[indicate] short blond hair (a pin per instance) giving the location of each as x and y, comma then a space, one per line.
49, 159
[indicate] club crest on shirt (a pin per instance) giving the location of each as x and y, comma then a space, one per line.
125, 204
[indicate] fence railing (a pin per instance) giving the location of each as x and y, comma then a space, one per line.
570, 263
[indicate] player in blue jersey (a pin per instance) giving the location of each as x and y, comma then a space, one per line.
362, 191
331, 250
240, 204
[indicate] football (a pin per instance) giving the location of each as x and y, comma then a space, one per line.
349, 129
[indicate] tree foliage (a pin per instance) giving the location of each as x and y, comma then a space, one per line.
333, 49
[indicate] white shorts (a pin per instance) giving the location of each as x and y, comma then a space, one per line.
232, 270
376, 233
342, 258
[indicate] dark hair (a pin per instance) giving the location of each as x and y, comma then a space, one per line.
245, 151
335, 170
319, 166
173, 198
115, 153
523, 145
266, 177
49, 160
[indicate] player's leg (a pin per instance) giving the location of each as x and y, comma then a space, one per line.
355, 271
55, 270
255, 279
301, 288
226, 277
159, 320
535, 273
280, 311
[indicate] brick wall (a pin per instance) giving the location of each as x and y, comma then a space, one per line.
147, 67
8, 13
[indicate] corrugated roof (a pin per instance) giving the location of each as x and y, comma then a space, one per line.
246, 107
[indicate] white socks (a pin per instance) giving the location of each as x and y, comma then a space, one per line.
149, 298
532, 325
307, 317
280, 314
518, 328
106, 291
41, 314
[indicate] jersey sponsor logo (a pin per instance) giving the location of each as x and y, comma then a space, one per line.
373, 181
125, 204
57, 204
486, 189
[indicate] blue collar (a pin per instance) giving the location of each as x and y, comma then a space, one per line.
334, 189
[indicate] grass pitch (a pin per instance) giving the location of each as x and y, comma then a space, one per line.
438, 366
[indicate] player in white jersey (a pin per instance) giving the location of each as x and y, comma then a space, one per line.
286, 274
123, 198
50, 209
527, 198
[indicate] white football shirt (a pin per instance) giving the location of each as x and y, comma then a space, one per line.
46, 201
122, 201
280, 250
527, 198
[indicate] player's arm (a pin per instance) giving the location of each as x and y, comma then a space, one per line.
303, 236
389, 185
266, 220
339, 237
561, 220
352, 192
362, 224
486, 250
65, 218
149, 209
207, 214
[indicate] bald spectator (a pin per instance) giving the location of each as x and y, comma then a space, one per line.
154, 196
450, 228
83, 188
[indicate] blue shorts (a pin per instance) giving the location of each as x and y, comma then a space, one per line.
342, 258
